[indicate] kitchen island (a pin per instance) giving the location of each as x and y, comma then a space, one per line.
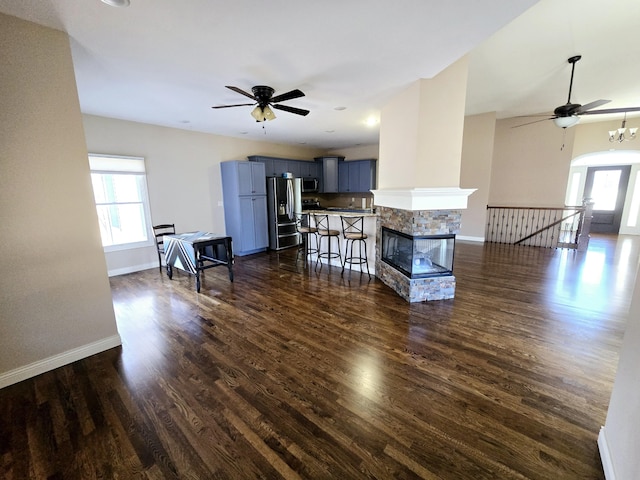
370, 228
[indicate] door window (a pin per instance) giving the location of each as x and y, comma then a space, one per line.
604, 191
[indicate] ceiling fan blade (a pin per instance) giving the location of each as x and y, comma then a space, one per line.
241, 92
612, 110
297, 111
590, 106
535, 121
287, 96
533, 115
236, 105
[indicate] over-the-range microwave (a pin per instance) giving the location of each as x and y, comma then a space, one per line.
309, 185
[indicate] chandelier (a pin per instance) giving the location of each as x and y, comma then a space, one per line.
619, 135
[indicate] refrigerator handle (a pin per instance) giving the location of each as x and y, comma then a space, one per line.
290, 206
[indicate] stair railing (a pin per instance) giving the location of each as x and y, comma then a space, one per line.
548, 227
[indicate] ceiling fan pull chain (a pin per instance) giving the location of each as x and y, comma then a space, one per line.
564, 135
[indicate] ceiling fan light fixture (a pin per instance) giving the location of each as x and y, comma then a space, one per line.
619, 134
565, 122
262, 114
117, 3
268, 113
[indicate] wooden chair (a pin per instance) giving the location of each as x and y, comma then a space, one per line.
159, 231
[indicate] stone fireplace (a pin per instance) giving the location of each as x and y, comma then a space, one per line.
418, 256
416, 240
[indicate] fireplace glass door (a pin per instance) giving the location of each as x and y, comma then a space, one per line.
418, 256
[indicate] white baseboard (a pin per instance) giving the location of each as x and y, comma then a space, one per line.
605, 455
131, 269
470, 239
41, 366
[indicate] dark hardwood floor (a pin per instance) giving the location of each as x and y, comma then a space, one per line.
292, 373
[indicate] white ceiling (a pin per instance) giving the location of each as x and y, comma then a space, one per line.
166, 62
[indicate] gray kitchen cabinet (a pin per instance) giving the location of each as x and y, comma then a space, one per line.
344, 171
251, 179
245, 205
275, 167
269, 168
309, 169
329, 177
357, 176
255, 230
280, 165
293, 167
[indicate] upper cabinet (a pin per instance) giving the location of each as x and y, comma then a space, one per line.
251, 179
329, 177
275, 167
357, 176
334, 173
310, 170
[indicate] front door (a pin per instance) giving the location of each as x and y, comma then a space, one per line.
607, 187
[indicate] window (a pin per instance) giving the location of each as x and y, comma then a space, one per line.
122, 203
605, 189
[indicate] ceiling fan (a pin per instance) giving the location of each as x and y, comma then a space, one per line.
568, 114
264, 100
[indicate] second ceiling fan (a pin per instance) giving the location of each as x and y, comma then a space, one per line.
263, 100
568, 114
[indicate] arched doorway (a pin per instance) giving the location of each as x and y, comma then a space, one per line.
612, 179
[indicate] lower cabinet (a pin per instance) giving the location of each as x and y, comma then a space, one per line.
254, 233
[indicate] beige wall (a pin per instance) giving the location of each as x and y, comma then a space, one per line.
357, 153
594, 137
183, 175
475, 172
421, 132
530, 168
442, 106
399, 128
55, 299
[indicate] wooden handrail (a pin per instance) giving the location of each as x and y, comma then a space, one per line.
577, 207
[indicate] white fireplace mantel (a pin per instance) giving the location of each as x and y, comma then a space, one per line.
442, 198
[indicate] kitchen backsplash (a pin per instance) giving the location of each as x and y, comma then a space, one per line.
341, 199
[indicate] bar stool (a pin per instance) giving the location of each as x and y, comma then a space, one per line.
322, 224
305, 229
353, 231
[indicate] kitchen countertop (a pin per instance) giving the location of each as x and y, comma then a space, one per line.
345, 212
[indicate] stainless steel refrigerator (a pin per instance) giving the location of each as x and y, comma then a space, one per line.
283, 202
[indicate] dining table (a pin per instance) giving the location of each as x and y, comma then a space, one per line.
194, 252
